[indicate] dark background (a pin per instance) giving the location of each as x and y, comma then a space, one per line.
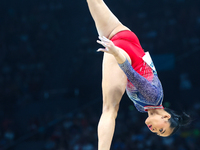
50, 73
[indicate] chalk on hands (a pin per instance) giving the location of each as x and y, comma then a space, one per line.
102, 43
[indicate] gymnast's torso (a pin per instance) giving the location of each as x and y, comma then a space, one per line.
143, 86
144, 90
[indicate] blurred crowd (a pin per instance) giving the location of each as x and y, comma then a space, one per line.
46, 45
78, 131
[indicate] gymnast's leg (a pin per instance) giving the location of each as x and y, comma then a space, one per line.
106, 22
114, 80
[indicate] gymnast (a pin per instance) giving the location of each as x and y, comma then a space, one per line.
126, 67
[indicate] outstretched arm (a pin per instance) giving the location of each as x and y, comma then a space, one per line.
148, 91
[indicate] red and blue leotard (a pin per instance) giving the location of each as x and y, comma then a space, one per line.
143, 86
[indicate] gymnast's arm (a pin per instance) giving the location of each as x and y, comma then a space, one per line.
148, 91
111, 49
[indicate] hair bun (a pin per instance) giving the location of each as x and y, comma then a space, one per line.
184, 119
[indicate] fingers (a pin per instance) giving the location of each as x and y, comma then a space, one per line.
104, 39
102, 43
105, 42
102, 50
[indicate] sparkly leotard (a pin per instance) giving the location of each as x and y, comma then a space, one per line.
143, 86
144, 94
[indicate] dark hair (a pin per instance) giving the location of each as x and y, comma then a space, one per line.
176, 120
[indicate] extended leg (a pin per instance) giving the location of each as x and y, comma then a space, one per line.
106, 22
114, 80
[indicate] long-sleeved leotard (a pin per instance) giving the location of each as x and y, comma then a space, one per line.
143, 87
144, 93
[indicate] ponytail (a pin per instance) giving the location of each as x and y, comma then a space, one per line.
185, 119
176, 121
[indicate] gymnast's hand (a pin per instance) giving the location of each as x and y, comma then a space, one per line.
109, 46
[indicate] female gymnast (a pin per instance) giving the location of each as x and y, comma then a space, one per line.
127, 67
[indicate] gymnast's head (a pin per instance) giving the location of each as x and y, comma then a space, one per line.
165, 122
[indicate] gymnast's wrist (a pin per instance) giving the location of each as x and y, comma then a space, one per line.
116, 52
120, 58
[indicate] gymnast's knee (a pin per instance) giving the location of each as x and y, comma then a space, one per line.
111, 109
111, 104
112, 96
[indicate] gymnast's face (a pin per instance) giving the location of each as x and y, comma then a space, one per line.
159, 124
